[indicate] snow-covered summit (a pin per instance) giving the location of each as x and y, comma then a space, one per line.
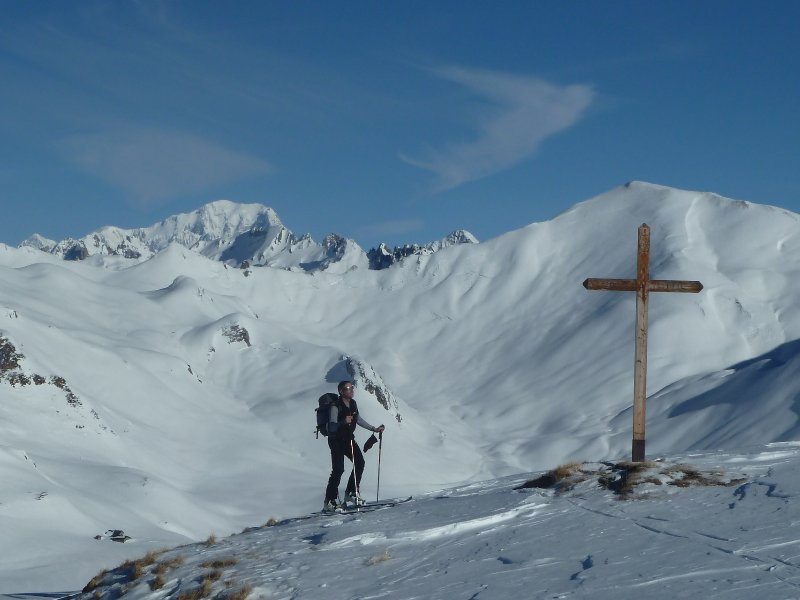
236, 234
39, 242
383, 256
220, 230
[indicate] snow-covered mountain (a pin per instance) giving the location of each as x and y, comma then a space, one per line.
238, 235
173, 397
383, 257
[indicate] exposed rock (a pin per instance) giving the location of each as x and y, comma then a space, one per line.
76, 252
61, 383
236, 333
365, 377
11, 371
9, 357
382, 257
116, 535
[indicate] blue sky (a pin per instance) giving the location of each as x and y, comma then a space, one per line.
388, 121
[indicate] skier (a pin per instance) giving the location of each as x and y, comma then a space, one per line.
342, 423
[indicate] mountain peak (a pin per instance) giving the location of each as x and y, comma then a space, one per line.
383, 257
235, 234
220, 220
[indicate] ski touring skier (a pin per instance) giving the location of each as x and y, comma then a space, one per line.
342, 421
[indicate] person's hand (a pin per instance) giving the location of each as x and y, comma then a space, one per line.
348, 419
379, 429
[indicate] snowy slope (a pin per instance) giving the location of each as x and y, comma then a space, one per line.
175, 397
732, 535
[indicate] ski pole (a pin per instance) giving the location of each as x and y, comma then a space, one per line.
380, 445
355, 472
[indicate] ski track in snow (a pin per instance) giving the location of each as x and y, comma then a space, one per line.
451, 529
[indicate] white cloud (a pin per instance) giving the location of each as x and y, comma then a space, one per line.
524, 112
152, 165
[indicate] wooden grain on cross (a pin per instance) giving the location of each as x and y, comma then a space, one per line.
642, 285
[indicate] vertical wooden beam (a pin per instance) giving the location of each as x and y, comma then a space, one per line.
642, 285
640, 363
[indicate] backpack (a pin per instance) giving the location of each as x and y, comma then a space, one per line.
324, 413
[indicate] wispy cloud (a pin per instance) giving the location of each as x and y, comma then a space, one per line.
152, 166
523, 111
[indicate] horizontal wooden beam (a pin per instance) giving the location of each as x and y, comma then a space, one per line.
669, 285
654, 285
615, 285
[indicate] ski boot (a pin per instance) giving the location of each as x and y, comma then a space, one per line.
353, 500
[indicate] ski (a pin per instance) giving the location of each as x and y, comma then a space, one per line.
373, 505
390, 501
368, 507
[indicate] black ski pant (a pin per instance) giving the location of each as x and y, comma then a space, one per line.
339, 449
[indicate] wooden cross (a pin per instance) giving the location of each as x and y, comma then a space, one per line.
642, 285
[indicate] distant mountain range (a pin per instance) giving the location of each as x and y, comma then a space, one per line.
239, 235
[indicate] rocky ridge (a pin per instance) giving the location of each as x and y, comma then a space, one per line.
240, 235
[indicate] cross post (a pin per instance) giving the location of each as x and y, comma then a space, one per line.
642, 285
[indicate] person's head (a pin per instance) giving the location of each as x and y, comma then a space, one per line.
346, 389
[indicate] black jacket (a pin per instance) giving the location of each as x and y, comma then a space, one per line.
337, 426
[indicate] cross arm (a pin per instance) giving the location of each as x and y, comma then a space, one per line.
669, 285
616, 285
654, 285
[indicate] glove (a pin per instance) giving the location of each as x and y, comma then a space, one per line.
370, 442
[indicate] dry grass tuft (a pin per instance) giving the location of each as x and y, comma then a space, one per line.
566, 470
161, 569
624, 476
271, 522
157, 582
95, 581
691, 476
219, 563
212, 539
201, 591
562, 478
241, 594
194, 594
136, 569
165, 565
